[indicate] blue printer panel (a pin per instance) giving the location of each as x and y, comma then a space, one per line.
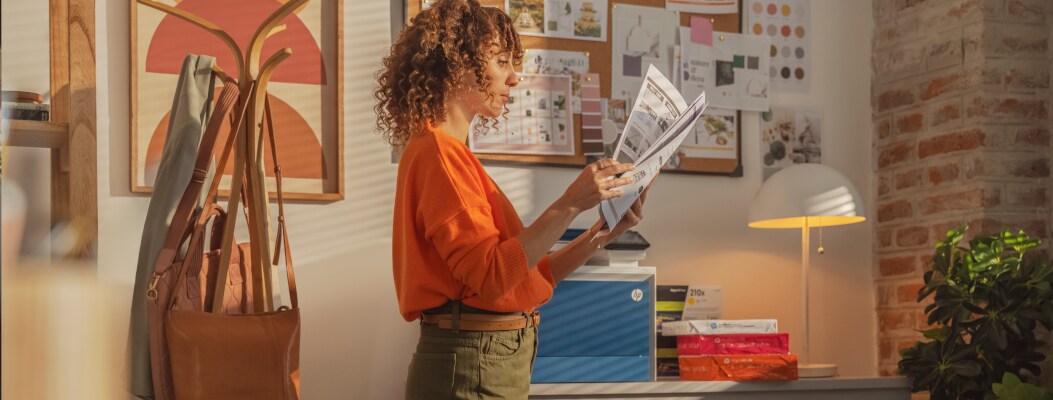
597, 318
591, 369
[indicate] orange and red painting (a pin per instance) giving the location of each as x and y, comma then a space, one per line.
304, 90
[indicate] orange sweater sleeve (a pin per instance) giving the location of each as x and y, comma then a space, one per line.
459, 222
545, 268
476, 256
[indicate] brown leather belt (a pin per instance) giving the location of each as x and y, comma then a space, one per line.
483, 322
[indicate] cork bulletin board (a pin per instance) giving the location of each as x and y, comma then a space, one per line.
599, 55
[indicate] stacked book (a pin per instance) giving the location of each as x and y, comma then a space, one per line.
24, 106
732, 350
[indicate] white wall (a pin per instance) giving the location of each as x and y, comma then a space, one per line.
355, 344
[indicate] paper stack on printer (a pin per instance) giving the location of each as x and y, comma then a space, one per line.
626, 250
659, 122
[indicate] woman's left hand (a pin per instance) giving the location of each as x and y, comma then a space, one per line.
631, 219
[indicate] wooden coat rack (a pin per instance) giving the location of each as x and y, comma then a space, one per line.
252, 78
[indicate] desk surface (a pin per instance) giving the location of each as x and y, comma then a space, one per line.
859, 388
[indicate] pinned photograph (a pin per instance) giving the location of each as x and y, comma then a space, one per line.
558, 15
725, 73
527, 15
588, 22
565, 19
715, 135
790, 136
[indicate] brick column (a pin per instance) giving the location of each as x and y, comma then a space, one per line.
961, 100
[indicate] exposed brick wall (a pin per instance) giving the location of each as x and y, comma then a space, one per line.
1039, 138
961, 105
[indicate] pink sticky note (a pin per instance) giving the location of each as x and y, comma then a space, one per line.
701, 31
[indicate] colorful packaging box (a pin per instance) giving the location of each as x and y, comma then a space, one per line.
750, 367
733, 343
666, 360
669, 306
718, 326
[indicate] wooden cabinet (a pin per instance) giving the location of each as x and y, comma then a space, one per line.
71, 133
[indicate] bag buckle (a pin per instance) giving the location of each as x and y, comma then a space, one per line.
151, 291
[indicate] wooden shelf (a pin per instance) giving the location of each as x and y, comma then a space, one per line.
41, 134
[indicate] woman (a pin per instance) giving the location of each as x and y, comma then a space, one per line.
463, 262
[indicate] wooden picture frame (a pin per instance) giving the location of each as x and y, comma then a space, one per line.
599, 54
306, 91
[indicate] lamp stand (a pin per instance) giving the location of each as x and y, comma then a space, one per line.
804, 368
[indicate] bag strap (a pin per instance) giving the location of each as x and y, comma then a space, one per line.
181, 219
282, 236
234, 144
205, 155
219, 216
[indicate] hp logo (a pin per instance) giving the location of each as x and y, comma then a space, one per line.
637, 295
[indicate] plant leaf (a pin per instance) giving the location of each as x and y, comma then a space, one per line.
967, 368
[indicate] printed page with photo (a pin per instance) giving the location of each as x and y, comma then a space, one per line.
658, 124
657, 104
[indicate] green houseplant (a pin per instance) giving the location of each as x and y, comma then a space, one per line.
1011, 388
987, 301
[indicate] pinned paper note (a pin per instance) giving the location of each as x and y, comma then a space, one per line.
701, 31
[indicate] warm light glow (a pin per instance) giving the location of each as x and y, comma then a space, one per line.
813, 191
798, 222
832, 208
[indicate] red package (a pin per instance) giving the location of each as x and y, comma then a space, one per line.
739, 367
737, 343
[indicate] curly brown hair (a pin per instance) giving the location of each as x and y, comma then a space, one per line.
437, 54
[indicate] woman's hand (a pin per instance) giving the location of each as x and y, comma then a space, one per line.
594, 184
631, 219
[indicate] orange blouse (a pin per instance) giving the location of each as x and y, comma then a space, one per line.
454, 234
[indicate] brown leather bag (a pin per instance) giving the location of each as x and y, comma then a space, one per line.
202, 273
161, 288
230, 353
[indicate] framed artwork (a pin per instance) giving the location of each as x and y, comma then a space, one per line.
305, 90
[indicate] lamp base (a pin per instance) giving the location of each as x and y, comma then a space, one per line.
816, 370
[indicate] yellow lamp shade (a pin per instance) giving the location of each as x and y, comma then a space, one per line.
814, 192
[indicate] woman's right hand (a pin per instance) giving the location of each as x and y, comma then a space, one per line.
594, 184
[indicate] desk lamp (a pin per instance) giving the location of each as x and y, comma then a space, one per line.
806, 196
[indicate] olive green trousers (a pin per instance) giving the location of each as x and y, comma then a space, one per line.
471, 365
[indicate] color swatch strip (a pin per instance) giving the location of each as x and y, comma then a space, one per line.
591, 126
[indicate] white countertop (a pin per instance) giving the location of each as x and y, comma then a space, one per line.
693, 387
